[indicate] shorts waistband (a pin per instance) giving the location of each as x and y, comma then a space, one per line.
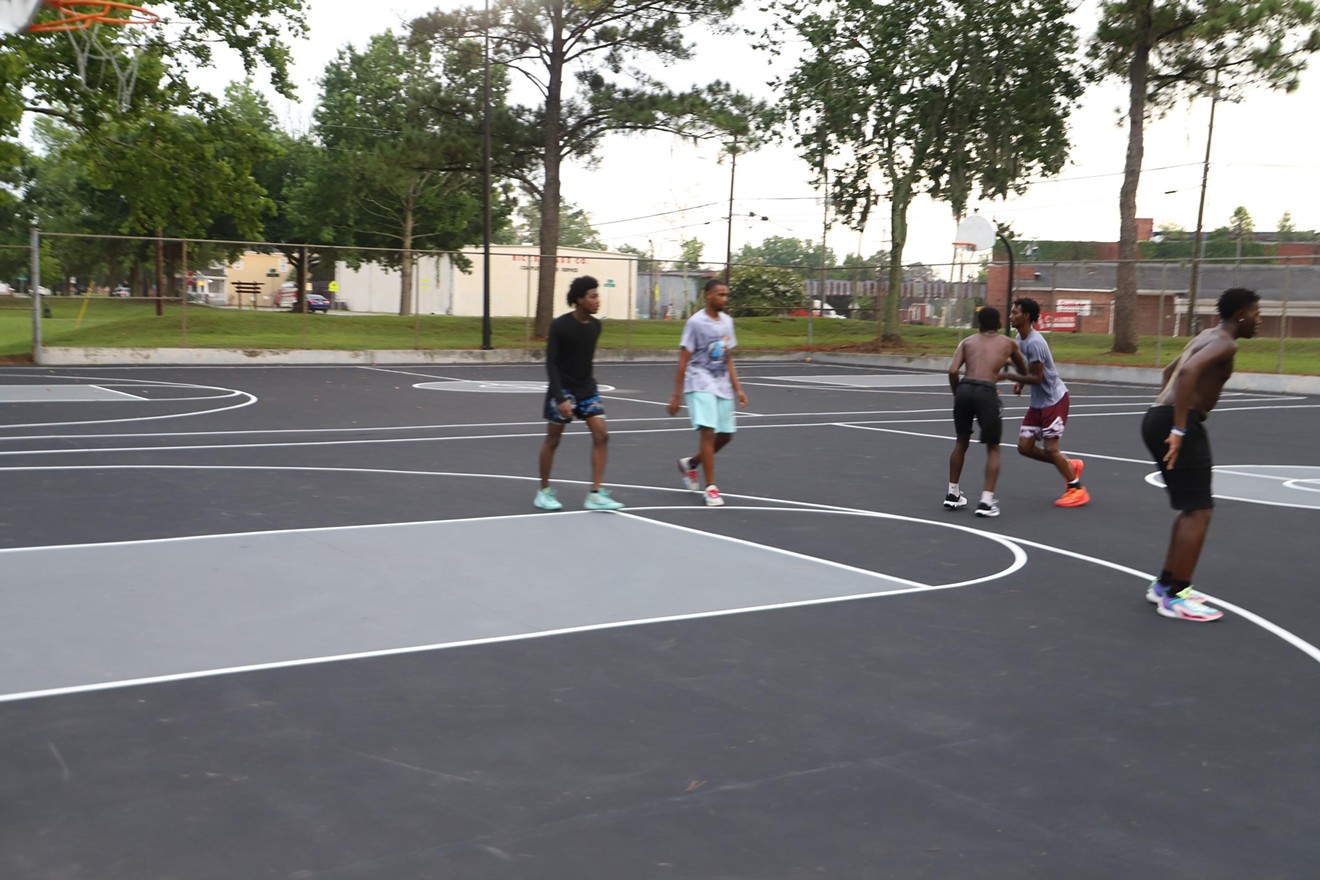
977, 382
1191, 412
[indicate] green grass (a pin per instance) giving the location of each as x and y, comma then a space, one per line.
106, 323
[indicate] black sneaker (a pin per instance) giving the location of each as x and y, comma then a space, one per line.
953, 502
991, 509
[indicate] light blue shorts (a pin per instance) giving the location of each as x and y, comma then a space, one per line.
710, 411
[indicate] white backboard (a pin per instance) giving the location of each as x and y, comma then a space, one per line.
976, 231
16, 15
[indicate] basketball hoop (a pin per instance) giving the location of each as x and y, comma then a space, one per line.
78, 16
101, 46
966, 245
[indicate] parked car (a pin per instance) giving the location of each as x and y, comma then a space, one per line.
317, 303
121, 290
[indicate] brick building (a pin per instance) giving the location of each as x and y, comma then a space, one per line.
1081, 287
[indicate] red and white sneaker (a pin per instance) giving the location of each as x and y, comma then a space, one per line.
713, 497
1074, 497
689, 472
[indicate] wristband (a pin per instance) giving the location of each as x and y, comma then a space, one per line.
1181, 432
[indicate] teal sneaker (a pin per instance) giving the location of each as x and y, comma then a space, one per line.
601, 500
546, 500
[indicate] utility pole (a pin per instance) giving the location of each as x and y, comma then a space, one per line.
728, 241
1193, 323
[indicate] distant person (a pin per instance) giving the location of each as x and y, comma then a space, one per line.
708, 383
976, 398
1174, 431
569, 351
1047, 416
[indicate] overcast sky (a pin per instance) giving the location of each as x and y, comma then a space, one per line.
655, 190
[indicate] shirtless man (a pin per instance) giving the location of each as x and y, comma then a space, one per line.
1174, 433
975, 396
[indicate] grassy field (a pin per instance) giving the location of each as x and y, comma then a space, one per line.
107, 323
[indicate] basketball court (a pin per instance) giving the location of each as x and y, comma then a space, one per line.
305, 622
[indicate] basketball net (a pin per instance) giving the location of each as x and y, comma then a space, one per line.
107, 39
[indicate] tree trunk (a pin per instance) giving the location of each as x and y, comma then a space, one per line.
1125, 296
550, 200
898, 206
405, 260
160, 272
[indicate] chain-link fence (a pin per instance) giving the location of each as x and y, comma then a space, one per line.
118, 291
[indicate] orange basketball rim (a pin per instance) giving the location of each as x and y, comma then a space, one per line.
77, 15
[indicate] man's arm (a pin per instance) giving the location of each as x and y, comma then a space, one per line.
955, 367
676, 400
733, 378
553, 343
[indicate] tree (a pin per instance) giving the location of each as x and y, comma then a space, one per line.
43, 67
575, 229
778, 250
1285, 227
765, 290
584, 57
940, 97
1167, 49
691, 259
401, 169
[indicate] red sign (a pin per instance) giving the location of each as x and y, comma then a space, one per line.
1064, 322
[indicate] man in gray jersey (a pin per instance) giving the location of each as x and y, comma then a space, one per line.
1047, 416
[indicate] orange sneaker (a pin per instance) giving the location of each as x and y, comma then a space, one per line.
1074, 498
1077, 465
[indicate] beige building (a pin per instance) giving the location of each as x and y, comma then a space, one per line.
441, 289
268, 271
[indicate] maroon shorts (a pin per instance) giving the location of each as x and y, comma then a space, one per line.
1047, 422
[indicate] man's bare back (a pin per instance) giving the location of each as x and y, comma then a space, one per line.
1214, 349
984, 356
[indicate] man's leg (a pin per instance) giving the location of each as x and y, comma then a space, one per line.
708, 444
718, 442
1185, 542
958, 457
552, 434
600, 442
992, 461
1050, 454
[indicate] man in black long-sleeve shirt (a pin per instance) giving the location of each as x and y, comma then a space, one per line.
569, 351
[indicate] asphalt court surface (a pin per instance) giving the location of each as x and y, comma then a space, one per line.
304, 622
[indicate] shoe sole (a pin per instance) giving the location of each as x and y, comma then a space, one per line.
987, 514
1173, 615
950, 506
719, 502
544, 507
1061, 503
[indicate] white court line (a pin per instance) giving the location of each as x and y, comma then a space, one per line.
523, 434
1283, 634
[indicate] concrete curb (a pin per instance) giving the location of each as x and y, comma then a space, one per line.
220, 357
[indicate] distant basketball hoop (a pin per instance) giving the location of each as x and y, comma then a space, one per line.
975, 234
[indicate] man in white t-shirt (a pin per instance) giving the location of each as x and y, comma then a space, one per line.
708, 383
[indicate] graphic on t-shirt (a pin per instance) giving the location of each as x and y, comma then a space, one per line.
717, 349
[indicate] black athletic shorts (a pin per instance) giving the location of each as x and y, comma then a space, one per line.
1188, 483
979, 400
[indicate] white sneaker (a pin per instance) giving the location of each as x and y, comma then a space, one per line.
953, 502
689, 472
713, 497
991, 509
